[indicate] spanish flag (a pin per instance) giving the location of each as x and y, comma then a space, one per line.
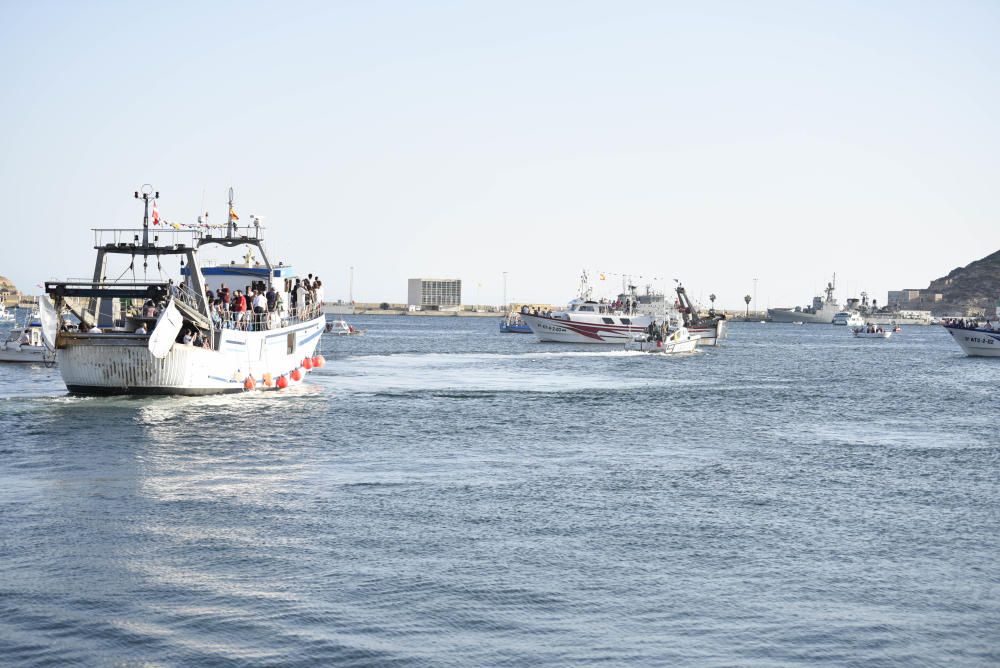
232, 214
156, 214
602, 277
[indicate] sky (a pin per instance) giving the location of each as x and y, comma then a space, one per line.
715, 143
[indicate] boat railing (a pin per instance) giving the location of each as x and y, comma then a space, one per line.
197, 301
259, 322
161, 237
234, 232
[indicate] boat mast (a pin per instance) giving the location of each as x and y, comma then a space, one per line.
229, 215
145, 193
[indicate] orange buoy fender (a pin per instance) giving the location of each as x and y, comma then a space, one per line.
307, 364
318, 361
249, 383
268, 380
282, 382
296, 375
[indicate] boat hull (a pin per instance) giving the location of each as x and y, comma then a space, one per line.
561, 330
790, 315
976, 342
506, 328
663, 347
118, 363
711, 335
26, 355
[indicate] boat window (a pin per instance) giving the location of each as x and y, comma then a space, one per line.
608, 321
587, 308
291, 343
626, 321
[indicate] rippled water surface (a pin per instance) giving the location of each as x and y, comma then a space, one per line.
442, 494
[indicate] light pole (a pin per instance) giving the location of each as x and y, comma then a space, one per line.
505, 292
755, 305
350, 287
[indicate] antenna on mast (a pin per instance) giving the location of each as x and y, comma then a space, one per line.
145, 193
230, 225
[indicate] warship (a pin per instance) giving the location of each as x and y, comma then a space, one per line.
821, 312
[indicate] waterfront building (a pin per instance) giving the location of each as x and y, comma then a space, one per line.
9, 295
434, 293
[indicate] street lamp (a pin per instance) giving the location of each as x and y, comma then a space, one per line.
505, 292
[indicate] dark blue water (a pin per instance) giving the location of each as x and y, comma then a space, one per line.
442, 494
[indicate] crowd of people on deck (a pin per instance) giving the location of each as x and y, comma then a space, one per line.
970, 323
259, 306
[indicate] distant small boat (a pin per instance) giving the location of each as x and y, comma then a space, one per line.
676, 341
797, 322
342, 328
26, 344
871, 333
514, 324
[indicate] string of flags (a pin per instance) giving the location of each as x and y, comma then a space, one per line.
602, 275
202, 223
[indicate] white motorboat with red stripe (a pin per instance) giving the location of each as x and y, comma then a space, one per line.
586, 322
589, 321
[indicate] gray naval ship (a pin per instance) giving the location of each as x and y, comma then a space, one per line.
821, 312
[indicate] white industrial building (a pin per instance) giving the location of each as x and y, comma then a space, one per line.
434, 293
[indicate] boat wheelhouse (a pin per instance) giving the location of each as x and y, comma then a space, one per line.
162, 337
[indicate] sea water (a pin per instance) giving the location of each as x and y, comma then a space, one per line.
443, 494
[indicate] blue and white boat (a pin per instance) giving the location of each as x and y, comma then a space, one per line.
513, 323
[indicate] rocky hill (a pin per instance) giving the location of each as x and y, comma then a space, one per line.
970, 289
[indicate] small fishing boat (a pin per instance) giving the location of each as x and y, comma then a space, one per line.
514, 324
798, 322
26, 345
666, 338
871, 332
342, 328
5, 315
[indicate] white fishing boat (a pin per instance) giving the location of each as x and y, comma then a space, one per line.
976, 337
586, 320
158, 337
5, 315
342, 328
664, 339
871, 332
25, 344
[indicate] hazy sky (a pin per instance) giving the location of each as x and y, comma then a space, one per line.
712, 142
